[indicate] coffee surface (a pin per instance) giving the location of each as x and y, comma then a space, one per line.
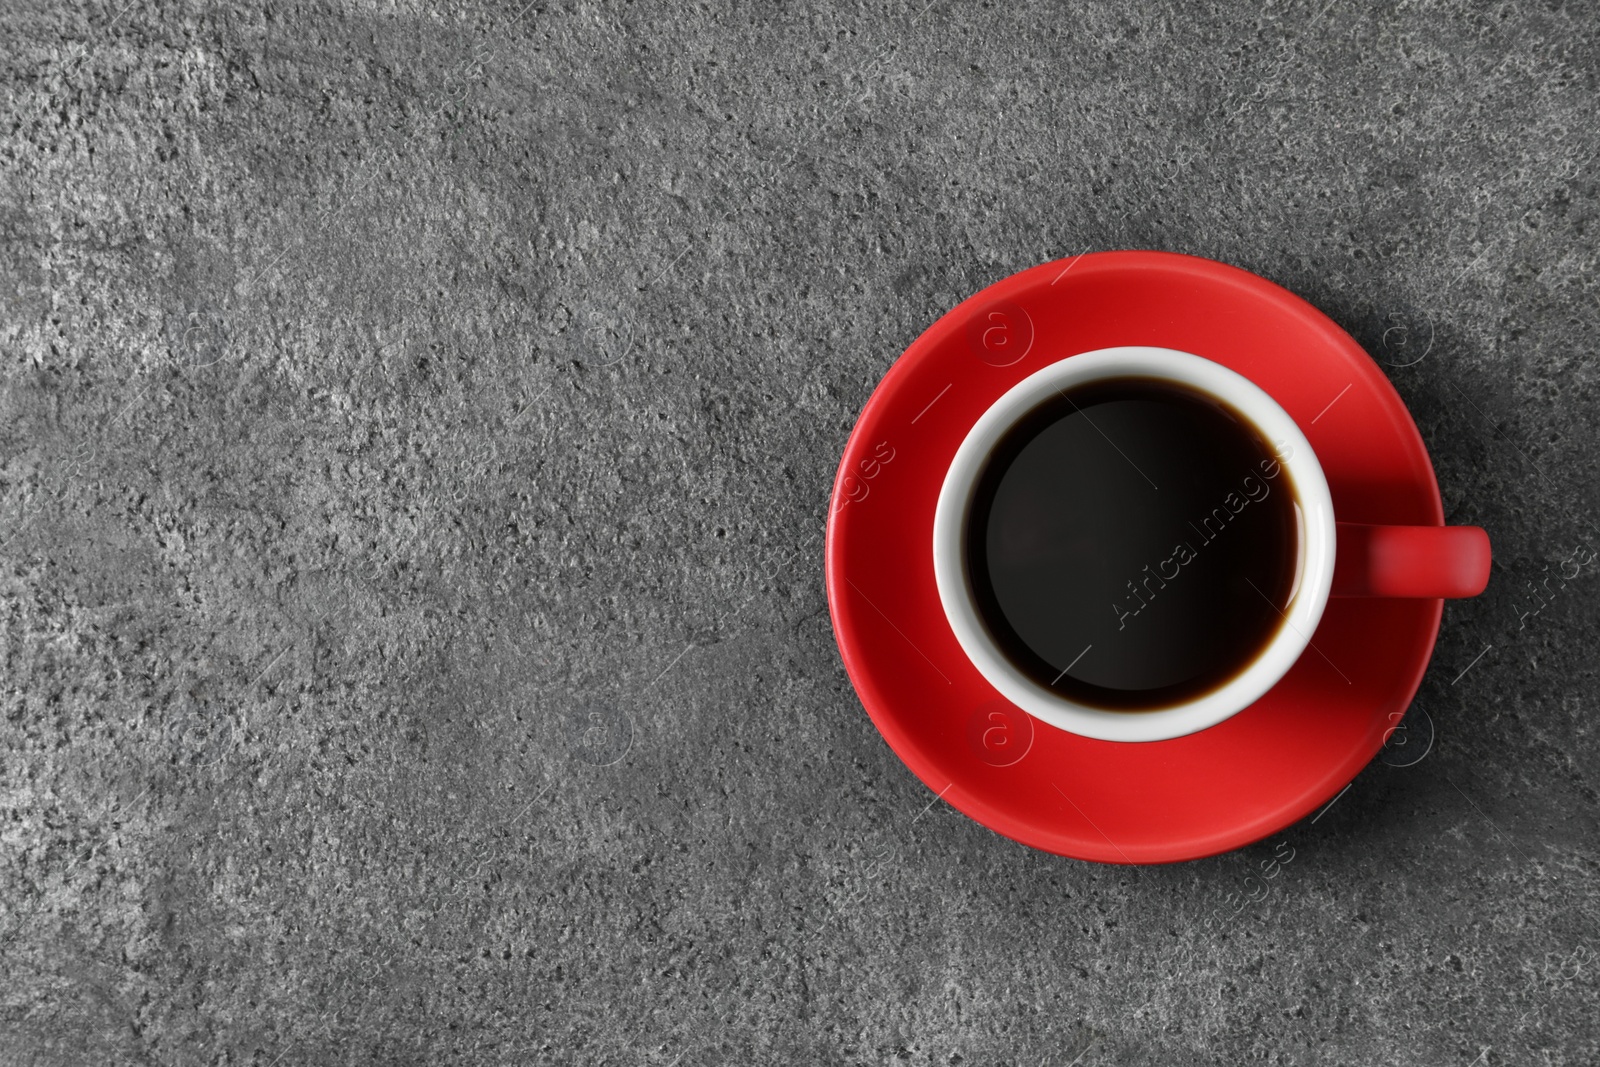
1132, 544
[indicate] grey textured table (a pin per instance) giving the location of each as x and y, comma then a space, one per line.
418, 421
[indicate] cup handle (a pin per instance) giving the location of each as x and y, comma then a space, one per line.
1426, 562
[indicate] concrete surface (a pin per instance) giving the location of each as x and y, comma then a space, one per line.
417, 422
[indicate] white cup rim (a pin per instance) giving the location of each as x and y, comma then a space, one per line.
1306, 604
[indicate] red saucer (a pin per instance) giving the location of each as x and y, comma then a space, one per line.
1157, 802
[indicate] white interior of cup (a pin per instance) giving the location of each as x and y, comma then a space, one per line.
1306, 603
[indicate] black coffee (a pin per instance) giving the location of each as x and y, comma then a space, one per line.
1132, 544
